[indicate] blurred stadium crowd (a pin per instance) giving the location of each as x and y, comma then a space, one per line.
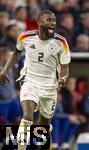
72, 112
72, 20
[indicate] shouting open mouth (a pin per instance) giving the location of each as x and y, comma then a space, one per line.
51, 30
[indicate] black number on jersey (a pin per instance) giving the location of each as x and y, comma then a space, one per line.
41, 57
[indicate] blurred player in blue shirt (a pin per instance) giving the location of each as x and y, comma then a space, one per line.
10, 110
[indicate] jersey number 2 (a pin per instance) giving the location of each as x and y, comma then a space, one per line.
41, 57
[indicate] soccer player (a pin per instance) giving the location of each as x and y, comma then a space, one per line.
46, 55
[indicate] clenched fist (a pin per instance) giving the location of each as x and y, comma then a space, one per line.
62, 82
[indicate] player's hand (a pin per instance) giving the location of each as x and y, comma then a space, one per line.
4, 77
62, 82
73, 119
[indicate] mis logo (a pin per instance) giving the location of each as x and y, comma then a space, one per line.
38, 137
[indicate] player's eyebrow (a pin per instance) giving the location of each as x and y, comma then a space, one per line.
50, 17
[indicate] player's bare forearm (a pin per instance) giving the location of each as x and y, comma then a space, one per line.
63, 75
14, 57
64, 71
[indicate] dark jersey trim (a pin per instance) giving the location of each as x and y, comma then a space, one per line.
17, 50
32, 33
58, 36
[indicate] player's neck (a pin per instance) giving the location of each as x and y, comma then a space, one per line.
42, 35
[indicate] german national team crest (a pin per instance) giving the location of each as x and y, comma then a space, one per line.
52, 47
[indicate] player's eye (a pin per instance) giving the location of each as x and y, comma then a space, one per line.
49, 19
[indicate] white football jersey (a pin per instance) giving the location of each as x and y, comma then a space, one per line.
42, 58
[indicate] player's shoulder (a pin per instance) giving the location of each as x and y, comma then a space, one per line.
27, 34
62, 41
59, 37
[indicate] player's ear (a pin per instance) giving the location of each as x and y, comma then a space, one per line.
39, 23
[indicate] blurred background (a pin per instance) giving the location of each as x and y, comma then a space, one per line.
71, 117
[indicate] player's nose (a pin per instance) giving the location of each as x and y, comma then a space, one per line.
53, 24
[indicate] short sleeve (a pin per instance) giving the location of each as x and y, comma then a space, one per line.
64, 56
19, 45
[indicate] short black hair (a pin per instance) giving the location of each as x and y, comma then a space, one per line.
18, 9
9, 26
45, 12
64, 16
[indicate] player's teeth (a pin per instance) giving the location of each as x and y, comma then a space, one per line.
51, 30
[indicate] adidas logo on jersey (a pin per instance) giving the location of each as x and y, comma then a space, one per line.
32, 46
